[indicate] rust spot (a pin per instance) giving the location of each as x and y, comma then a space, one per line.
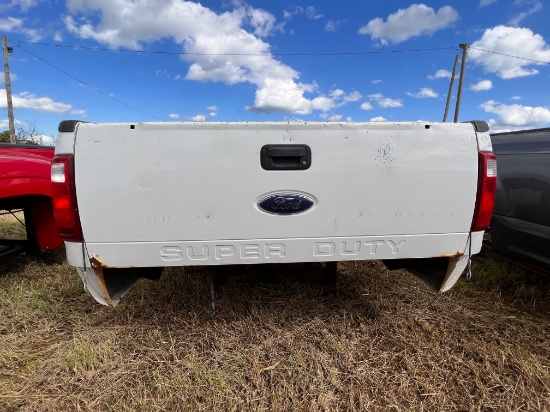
96, 263
458, 253
101, 280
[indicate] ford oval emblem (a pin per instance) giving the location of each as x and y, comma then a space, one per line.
286, 203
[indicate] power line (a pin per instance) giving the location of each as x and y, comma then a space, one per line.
182, 53
509, 55
95, 89
326, 54
305, 54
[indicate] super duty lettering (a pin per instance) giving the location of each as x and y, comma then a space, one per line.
219, 252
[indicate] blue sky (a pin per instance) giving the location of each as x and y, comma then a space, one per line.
174, 60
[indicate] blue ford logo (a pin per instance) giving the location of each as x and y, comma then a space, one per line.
286, 203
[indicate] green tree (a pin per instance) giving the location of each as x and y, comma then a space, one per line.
5, 136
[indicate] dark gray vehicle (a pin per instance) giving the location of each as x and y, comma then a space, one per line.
520, 226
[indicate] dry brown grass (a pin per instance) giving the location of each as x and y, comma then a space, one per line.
12, 225
385, 342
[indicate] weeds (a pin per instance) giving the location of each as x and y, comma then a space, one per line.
385, 341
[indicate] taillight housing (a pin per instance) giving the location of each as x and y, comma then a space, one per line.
486, 189
65, 207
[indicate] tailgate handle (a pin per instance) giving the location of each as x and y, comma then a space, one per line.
285, 157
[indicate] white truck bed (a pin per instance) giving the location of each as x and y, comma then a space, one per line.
165, 194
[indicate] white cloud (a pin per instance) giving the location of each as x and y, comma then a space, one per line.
287, 96
13, 77
349, 119
515, 115
377, 81
485, 3
23, 5
503, 40
380, 101
10, 24
162, 73
515, 98
32, 34
335, 118
198, 118
515, 21
385, 102
13, 25
482, 85
417, 20
174, 116
340, 97
424, 93
440, 74
352, 97
26, 100
378, 119
263, 22
58, 37
333, 25
213, 111
312, 14
214, 44
309, 12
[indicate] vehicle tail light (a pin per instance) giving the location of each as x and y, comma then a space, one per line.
486, 188
64, 198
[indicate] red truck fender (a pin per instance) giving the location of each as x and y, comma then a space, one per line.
25, 184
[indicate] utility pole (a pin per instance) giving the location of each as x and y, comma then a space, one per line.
450, 90
464, 47
6, 51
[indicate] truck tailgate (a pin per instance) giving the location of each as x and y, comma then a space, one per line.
178, 182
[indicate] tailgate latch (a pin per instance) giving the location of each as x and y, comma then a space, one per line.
285, 157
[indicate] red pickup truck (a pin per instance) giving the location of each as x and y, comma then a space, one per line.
25, 185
